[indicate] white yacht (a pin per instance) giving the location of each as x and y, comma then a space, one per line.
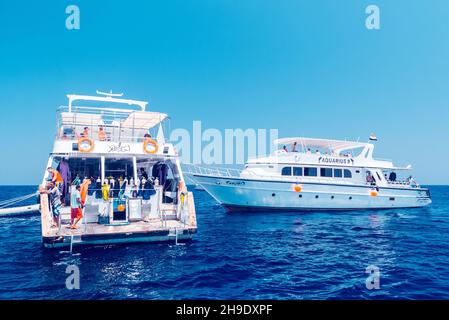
314, 174
137, 194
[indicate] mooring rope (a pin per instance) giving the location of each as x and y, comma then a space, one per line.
10, 202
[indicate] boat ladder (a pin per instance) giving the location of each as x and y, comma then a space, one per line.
173, 233
74, 238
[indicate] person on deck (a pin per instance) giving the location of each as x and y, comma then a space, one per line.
76, 207
102, 136
55, 200
64, 170
295, 144
143, 173
85, 133
56, 177
285, 148
392, 176
369, 178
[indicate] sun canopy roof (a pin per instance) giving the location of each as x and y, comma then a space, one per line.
336, 145
144, 120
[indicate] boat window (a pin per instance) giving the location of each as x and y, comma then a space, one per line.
326, 172
338, 173
310, 172
297, 171
84, 167
347, 173
287, 171
119, 168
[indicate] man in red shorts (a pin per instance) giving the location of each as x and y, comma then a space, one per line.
76, 205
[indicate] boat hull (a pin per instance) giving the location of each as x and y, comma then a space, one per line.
252, 194
120, 238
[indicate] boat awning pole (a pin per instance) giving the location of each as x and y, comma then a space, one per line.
102, 169
135, 168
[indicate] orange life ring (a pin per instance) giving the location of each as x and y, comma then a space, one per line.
150, 142
373, 193
86, 145
297, 188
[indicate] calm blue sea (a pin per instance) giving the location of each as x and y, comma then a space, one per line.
244, 256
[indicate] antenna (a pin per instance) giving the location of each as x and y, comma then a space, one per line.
109, 94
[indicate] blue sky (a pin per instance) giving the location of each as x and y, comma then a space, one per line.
309, 68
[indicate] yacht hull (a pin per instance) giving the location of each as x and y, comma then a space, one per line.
251, 194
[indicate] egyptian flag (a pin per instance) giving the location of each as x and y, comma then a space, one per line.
373, 137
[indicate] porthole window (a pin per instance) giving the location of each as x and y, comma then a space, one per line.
332, 197
316, 197
273, 194
350, 198
300, 195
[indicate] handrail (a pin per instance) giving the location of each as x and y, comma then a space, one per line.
108, 98
222, 172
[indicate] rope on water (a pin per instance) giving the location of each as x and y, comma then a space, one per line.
10, 202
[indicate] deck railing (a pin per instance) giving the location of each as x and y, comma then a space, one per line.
192, 169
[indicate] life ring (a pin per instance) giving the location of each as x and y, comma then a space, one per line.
297, 188
150, 146
373, 193
86, 145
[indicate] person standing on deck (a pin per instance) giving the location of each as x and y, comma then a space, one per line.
294, 146
56, 178
76, 207
55, 200
64, 170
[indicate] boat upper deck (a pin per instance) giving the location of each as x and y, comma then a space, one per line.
114, 120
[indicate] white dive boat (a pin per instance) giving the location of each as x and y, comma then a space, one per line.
319, 175
138, 193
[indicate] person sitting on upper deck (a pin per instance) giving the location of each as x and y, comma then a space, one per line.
308, 151
102, 136
85, 133
294, 145
285, 148
317, 152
